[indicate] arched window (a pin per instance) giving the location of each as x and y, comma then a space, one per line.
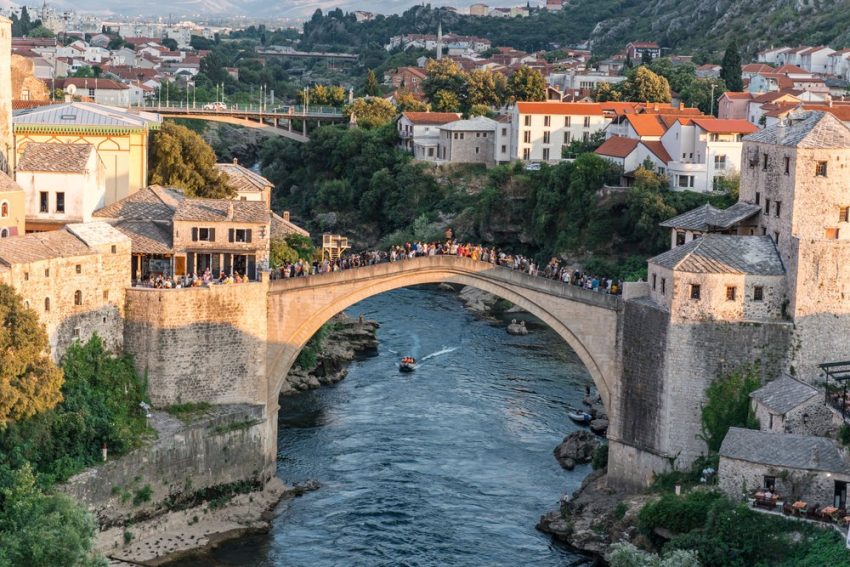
47, 304
78, 297
4, 233
4, 209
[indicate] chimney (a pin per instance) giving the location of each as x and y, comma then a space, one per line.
286, 216
235, 161
230, 210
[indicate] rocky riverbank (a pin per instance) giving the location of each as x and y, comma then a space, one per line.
346, 339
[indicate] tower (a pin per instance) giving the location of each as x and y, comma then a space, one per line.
5, 92
439, 41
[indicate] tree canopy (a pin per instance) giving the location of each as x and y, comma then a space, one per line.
371, 112
731, 68
181, 158
527, 84
29, 380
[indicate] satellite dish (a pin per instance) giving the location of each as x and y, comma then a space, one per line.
71, 89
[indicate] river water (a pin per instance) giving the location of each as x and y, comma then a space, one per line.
449, 465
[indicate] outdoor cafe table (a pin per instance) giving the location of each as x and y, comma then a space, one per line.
829, 511
798, 505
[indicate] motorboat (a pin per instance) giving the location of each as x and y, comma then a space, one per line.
407, 364
580, 417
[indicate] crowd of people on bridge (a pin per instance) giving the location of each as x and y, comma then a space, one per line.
555, 269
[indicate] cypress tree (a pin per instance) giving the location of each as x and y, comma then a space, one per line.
731, 71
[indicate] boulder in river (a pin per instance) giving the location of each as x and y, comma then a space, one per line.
517, 328
576, 448
599, 426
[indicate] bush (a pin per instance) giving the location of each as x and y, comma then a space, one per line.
679, 514
599, 459
728, 405
844, 434
101, 405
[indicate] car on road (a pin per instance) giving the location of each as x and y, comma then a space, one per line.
215, 106
532, 166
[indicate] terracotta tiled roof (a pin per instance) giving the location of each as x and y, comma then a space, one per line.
150, 203
561, 108
738, 96
436, 118
756, 68
646, 124
729, 126
243, 179
55, 158
617, 146
24, 104
8, 184
99, 84
281, 227
657, 148
840, 111
785, 69
772, 96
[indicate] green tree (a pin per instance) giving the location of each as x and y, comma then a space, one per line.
527, 84
371, 112
181, 158
487, 88
646, 208
84, 72
29, 381
642, 85
41, 31
407, 102
43, 530
372, 88
731, 68
727, 404
445, 75
605, 92
291, 248
698, 94
446, 101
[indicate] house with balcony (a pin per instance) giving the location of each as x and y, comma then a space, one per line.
420, 132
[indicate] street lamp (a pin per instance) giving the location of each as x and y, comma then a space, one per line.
712, 99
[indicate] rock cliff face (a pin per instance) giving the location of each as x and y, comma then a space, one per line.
349, 338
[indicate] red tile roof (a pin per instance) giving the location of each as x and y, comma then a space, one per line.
840, 111
562, 108
107, 84
785, 69
617, 146
756, 68
727, 126
738, 96
431, 117
646, 124
657, 148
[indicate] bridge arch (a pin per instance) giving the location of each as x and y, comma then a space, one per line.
585, 320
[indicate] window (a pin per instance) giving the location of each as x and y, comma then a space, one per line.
547, 121
430, 152
654, 278
47, 304
820, 169
776, 238
720, 162
203, 234
545, 154
526, 154
844, 214
76, 333
695, 291
4, 209
26, 276
4, 233
504, 149
526, 137
91, 93
758, 293
714, 137
832, 234
587, 121
43, 202
567, 121
758, 198
504, 131
663, 285
527, 121
239, 235
476, 149
731, 291
106, 295
46, 272
60, 202
585, 136
114, 249
78, 297
767, 206
546, 137
680, 237
777, 207
787, 166
78, 268
764, 162
770, 481
686, 181
568, 137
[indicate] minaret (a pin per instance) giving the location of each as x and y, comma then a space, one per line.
439, 41
5, 93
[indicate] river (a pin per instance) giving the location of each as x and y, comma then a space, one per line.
449, 465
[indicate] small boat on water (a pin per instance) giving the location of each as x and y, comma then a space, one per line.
580, 417
407, 364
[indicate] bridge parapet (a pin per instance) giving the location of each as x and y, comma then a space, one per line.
457, 264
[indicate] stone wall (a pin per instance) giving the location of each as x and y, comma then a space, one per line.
224, 445
204, 344
5, 94
735, 477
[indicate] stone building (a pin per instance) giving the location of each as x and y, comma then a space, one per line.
249, 186
786, 405
737, 219
120, 138
63, 183
12, 210
74, 278
468, 141
813, 469
176, 235
5, 94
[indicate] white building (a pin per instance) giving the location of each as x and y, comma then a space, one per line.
540, 130
62, 183
420, 132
